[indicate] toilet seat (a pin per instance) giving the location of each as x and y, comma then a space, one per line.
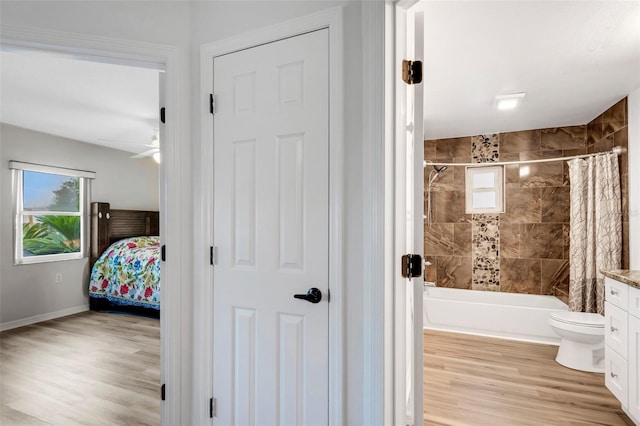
581, 319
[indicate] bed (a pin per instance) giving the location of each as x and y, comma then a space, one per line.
125, 260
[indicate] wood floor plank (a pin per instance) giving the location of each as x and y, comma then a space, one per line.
472, 381
91, 368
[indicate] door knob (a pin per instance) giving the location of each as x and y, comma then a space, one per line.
313, 295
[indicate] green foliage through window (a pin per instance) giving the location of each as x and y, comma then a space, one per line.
55, 234
46, 238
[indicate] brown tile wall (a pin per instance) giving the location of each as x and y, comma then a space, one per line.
604, 132
532, 238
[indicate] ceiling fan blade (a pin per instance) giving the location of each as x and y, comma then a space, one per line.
146, 153
115, 142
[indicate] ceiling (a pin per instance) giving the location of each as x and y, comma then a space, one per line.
111, 105
574, 59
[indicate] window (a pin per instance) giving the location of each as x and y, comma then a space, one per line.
49, 206
485, 189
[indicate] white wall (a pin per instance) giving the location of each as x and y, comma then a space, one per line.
633, 104
30, 290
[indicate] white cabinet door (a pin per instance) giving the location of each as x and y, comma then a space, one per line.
634, 369
616, 375
634, 302
616, 293
616, 329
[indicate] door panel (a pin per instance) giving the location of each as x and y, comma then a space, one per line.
244, 361
291, 368
271, 162
290, 205
243, 214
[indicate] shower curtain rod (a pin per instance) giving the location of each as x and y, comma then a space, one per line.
615, 150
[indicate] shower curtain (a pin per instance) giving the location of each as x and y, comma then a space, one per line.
595, 229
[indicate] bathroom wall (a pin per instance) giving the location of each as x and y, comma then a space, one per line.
525, 249
604, 132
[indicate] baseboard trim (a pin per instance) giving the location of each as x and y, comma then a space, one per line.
43, 317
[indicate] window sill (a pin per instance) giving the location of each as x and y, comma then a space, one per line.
48, 259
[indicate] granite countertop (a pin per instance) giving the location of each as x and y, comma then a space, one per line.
624, 275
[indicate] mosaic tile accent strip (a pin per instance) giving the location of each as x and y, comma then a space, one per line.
485, 228
485, 148
485, 264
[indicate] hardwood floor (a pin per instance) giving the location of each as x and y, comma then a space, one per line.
473, 381
86, 369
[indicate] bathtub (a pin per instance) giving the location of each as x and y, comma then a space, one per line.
493, 314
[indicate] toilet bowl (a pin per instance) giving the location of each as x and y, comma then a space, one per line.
582, 340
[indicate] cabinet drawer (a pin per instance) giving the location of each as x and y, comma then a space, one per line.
634, 302
616, 293
615, 375
616, 329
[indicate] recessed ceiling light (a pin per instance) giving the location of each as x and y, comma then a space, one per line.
511, 101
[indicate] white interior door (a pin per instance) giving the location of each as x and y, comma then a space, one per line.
271, 204
408, 203
416, 192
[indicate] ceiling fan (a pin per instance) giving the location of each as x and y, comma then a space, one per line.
153, 145
155, 148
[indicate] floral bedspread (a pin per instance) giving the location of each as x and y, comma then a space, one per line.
128, 273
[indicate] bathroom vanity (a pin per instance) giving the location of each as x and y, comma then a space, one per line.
622, 339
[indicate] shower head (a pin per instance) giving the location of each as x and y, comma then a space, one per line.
439, 169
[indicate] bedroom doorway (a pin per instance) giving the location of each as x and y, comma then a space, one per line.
115, 163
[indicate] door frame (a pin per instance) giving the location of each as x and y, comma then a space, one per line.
405, 205
331, 19
173, 364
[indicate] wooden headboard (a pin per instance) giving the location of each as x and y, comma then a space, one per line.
110, 225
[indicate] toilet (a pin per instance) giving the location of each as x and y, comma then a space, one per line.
582, 340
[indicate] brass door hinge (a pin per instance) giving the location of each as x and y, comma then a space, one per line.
411, 265
412, 72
